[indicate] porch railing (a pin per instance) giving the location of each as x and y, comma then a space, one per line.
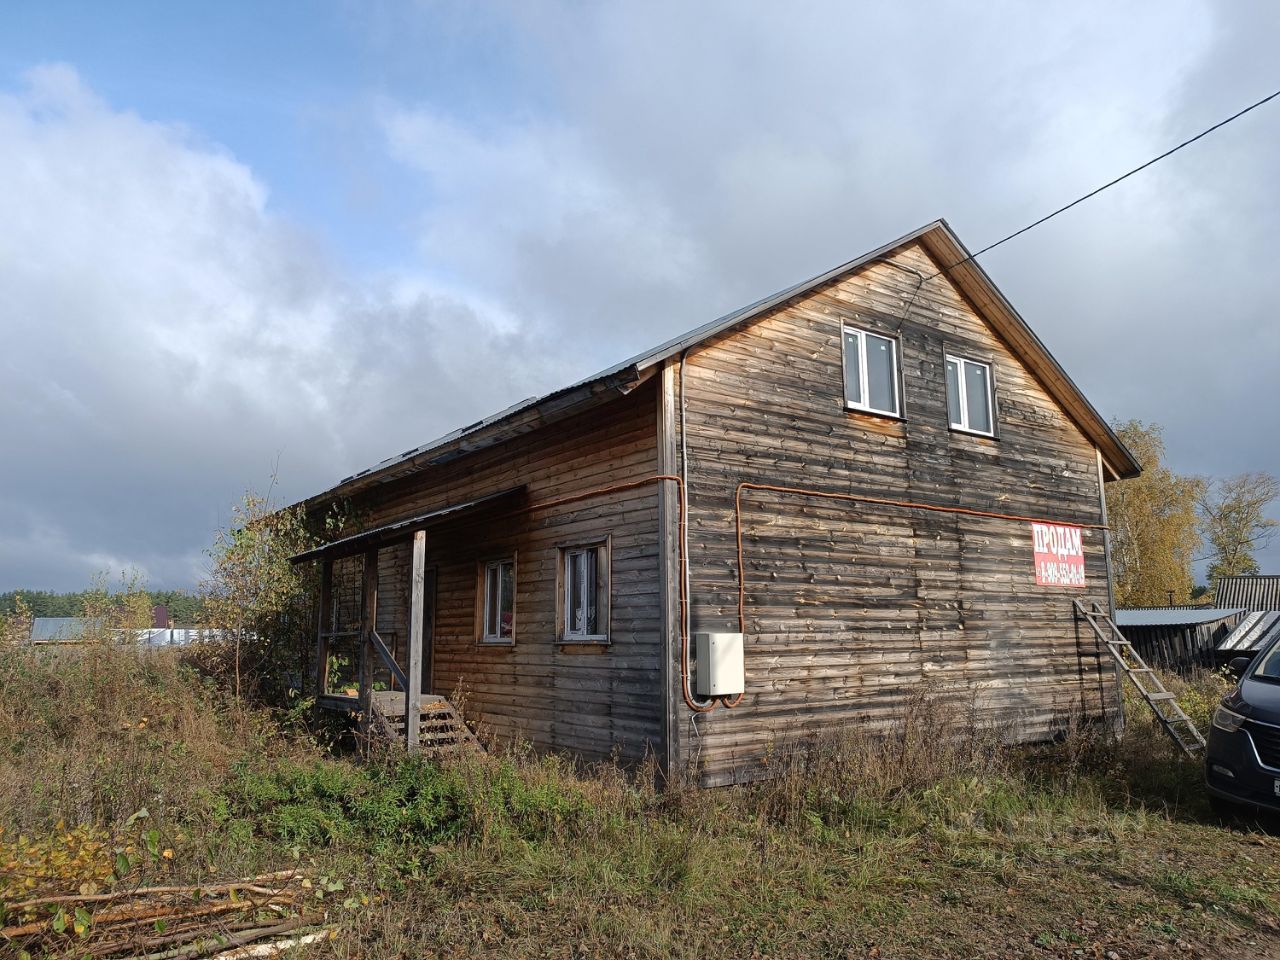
410, 677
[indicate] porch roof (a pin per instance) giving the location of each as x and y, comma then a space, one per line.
403, 529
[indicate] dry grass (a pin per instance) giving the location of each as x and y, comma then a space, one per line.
936, 841
91, 735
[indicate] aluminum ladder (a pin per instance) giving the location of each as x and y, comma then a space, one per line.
1163, 704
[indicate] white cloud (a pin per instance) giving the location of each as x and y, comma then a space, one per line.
704, 155
166, 335
167, 338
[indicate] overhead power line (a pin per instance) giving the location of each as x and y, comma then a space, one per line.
1111, 183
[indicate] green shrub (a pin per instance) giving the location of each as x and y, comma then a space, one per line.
401, 801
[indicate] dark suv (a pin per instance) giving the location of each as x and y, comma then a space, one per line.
1242, 762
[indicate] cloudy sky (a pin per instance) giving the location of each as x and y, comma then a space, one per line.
241, 235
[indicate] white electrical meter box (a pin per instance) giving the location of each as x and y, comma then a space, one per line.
720, 671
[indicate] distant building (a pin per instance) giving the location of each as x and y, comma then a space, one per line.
60, 629
1251, 592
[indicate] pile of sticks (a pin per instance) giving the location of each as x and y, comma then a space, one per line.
262, 916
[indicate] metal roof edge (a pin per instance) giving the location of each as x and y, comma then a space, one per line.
1124, 470
1098, 429
382, 534
760, 307
615, 378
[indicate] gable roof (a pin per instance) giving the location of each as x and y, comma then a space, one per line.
938, 240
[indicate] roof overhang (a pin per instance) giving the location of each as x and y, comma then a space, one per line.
400, 530
954, 261
522, 418
938, 240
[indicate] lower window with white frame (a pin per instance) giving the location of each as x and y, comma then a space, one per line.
584, 575
970, 397
498, 613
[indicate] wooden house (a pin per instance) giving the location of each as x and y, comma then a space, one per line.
781, 523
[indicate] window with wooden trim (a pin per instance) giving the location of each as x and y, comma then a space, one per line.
498, 610
871, 372
585, 593
970, 397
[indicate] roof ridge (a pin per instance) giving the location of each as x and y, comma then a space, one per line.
1029, 349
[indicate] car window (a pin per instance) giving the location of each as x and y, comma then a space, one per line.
1269, 666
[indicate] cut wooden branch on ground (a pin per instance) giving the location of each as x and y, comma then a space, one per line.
225, 918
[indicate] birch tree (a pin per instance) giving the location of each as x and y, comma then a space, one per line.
1154, 524
1234, 522
254, 597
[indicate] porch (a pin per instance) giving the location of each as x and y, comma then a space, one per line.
390, 695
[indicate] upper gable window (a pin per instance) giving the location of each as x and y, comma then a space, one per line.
871, 372
969, 396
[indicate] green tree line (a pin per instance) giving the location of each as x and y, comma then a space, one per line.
185, 609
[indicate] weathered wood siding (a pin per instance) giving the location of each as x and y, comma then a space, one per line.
1182, 646
590, 700
850, 607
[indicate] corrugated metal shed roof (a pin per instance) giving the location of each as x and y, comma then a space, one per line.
965, 272
1254, 631
1252, 593
1172, 616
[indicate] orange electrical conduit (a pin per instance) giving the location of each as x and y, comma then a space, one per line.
682, 520
855, 498
684, 599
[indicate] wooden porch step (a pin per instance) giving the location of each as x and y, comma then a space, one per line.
441, 727
391, 703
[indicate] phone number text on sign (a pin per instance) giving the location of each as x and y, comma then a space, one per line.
1059, 552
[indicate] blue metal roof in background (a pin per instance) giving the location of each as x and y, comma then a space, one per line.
1173, 616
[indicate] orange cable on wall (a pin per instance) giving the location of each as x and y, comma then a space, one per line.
860, 498
682, 560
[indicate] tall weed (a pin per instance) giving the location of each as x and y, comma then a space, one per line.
93, 733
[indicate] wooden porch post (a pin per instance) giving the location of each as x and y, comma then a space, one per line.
368, 623
324, 621
413, 691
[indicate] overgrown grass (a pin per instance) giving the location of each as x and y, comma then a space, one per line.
919, 844
93, 735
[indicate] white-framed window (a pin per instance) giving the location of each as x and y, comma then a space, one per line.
585, 593
970, 397
871, 372
498, 609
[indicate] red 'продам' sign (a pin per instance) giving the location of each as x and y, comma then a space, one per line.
1059, 554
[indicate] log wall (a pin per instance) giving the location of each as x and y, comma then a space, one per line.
591, 700
850, 608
